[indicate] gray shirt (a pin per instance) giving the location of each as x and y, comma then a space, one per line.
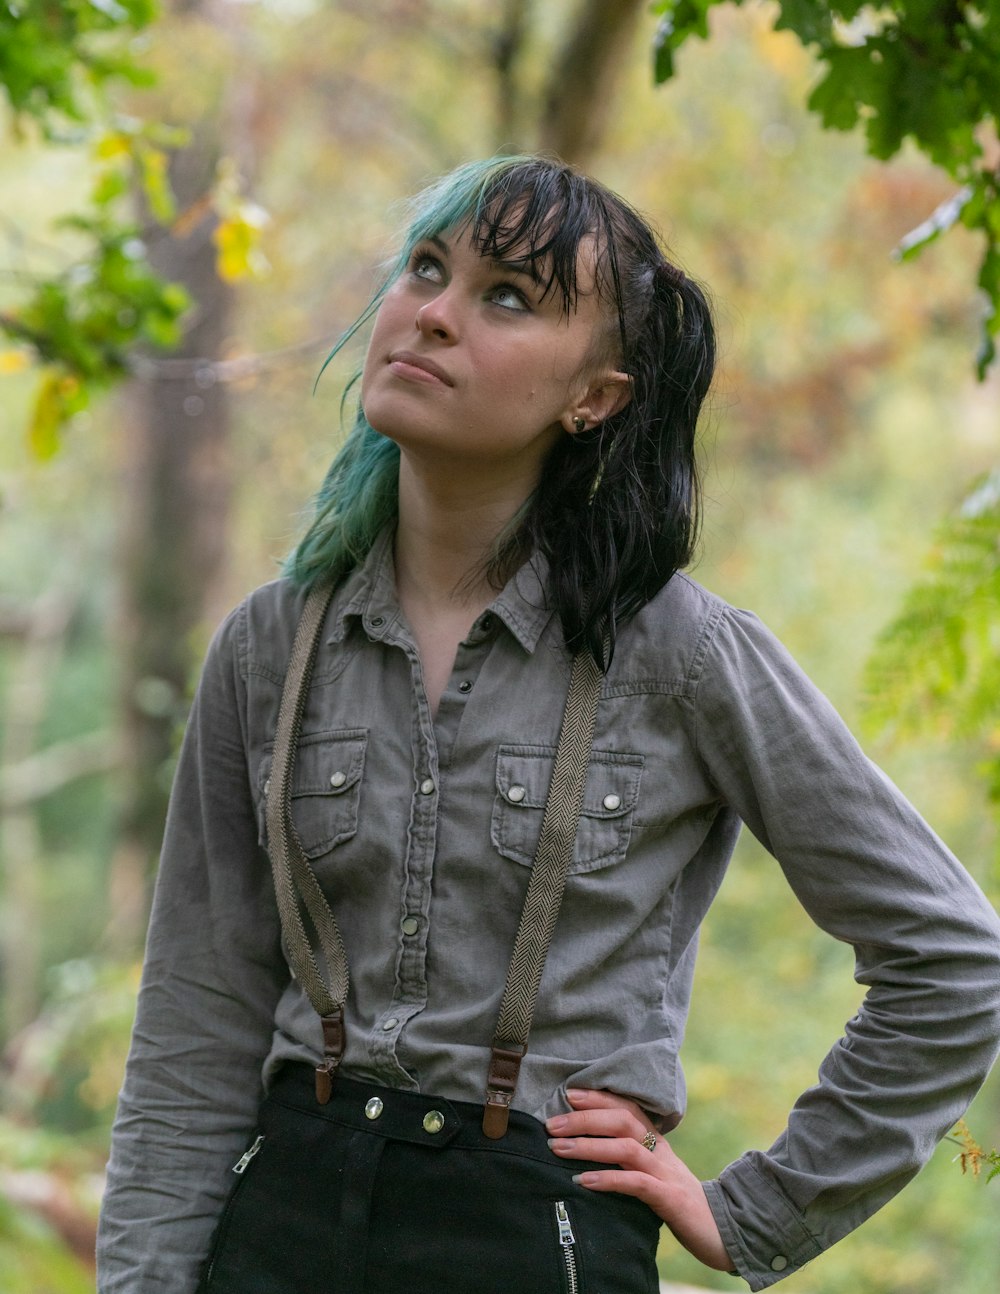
422, 829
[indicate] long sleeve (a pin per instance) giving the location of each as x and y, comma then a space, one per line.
212, 976
927, 944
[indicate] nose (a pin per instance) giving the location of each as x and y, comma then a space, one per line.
436, 318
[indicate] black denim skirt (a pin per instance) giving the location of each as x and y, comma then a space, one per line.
386, 1192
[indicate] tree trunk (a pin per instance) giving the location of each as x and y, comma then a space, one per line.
178, 495
580, 92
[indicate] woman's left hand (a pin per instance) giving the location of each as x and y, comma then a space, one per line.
610, 1129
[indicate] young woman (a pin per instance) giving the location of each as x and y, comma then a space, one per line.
519, 490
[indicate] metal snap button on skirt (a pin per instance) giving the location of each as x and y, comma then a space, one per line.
386, 1192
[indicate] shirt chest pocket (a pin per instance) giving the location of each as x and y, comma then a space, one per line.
326, 788
609, 804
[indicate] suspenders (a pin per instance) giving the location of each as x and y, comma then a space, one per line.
296, 886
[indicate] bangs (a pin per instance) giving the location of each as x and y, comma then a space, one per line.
527, 211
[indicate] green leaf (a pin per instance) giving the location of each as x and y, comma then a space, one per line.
811, 21
850, 82
681, 19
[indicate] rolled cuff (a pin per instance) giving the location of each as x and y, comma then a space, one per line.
764, 1234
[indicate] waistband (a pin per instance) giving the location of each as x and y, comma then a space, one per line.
413, 1117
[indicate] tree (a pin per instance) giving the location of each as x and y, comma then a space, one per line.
924, 70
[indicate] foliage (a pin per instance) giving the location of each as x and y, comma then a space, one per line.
972, 1156
55, 53
919, 69
33, 1259
55, 60
81, 324
937, 664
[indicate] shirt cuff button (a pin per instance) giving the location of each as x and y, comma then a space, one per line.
778, 1263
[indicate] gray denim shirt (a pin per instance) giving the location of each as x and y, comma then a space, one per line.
422, 830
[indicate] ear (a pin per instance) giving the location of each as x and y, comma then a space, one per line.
605, 395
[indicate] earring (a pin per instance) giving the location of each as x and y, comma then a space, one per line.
579, 423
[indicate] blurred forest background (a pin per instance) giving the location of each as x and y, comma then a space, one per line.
261, 166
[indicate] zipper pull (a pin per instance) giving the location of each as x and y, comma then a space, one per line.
244, 1163
566, 1236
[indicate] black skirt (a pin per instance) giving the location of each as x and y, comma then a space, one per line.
387, 1192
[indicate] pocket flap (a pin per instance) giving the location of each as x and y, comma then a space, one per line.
611, 791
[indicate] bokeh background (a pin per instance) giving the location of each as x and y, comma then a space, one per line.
846, 424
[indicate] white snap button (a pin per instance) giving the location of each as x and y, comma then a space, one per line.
373, 1108
433, 1121
516, 794
779, 1263
612, 801
427, 786
390, 1023
409, 925
338, 779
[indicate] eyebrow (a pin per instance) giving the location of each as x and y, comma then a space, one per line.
525, 267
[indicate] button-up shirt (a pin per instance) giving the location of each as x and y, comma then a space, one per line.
422, 828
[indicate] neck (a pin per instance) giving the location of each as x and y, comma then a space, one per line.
446, 531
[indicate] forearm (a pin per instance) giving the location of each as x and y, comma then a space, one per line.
927, 944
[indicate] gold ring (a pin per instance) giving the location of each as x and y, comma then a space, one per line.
649, 1141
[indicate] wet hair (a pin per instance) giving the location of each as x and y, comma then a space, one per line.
615, 513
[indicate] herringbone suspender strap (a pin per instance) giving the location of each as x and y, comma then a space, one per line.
295, 883
545, 891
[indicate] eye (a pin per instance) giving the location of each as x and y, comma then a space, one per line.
509, 297
427, 267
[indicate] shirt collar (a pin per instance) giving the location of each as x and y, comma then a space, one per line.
368, 595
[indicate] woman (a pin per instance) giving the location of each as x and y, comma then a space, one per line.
519, 489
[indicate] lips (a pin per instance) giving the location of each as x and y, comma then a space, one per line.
403, 362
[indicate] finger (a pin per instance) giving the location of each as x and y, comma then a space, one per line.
591, 1098
615, 1121
623, 1151
624, 1181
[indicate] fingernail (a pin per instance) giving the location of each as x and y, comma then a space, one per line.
561, 1143
575, 1093
585, 1179
557, 1123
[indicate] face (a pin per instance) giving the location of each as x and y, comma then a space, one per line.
470, 361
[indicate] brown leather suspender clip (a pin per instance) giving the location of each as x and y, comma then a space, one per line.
501, 1082
333, 1052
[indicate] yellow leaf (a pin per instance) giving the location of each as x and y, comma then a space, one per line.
156, 184
114, 144
47, 417
14, 361
237, 239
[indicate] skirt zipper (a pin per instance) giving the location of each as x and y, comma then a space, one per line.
239, 1168
568, 1242
244, 1163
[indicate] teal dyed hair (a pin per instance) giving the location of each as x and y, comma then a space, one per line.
615, 512
358, 496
